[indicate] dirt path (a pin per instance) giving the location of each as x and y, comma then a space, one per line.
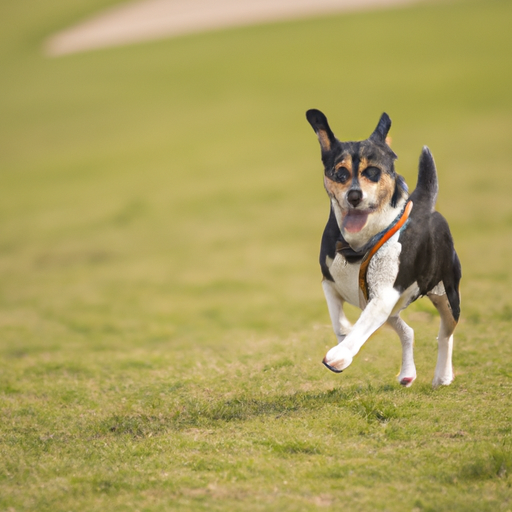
145, 20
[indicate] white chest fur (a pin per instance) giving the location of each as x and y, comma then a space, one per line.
382, 272
346, 279
384, 265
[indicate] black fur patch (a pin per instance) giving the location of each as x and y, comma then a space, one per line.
400, 191
328, 246
428, 256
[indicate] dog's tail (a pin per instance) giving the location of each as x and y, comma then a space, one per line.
427, 187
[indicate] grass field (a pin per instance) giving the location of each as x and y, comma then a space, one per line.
162, 322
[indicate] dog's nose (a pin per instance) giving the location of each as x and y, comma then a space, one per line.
354, 197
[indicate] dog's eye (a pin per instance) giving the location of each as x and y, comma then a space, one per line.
372, 173
342, 175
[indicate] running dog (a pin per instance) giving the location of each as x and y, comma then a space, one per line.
383, 249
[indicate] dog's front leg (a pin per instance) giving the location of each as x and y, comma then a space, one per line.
373, 316
340, 324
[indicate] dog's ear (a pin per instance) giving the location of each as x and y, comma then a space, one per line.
380, 133
319, 123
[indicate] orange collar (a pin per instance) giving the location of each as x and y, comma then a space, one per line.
387, 235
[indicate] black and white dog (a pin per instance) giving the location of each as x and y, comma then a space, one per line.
382, 249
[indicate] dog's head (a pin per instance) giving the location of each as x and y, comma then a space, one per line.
360, 178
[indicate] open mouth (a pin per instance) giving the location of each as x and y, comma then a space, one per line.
355, 220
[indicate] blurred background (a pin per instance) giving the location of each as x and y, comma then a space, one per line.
169, 192
162, 322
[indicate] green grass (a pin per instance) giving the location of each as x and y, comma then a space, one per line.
161, 316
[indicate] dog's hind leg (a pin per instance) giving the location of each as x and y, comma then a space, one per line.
406, 334
444, 370
340, 324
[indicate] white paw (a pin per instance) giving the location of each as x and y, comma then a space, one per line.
338, 358
406, 380
407, 374
442, 380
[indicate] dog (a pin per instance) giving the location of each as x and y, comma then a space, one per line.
383, 249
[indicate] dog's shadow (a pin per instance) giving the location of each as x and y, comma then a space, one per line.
372, 403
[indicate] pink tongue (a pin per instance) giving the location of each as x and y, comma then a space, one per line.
355, 221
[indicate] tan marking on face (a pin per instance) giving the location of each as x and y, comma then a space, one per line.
363, 164
386, 188
346, 162
335, 189
375, 194
378, 194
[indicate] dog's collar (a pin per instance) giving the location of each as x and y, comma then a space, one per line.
374, 244
395, 226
